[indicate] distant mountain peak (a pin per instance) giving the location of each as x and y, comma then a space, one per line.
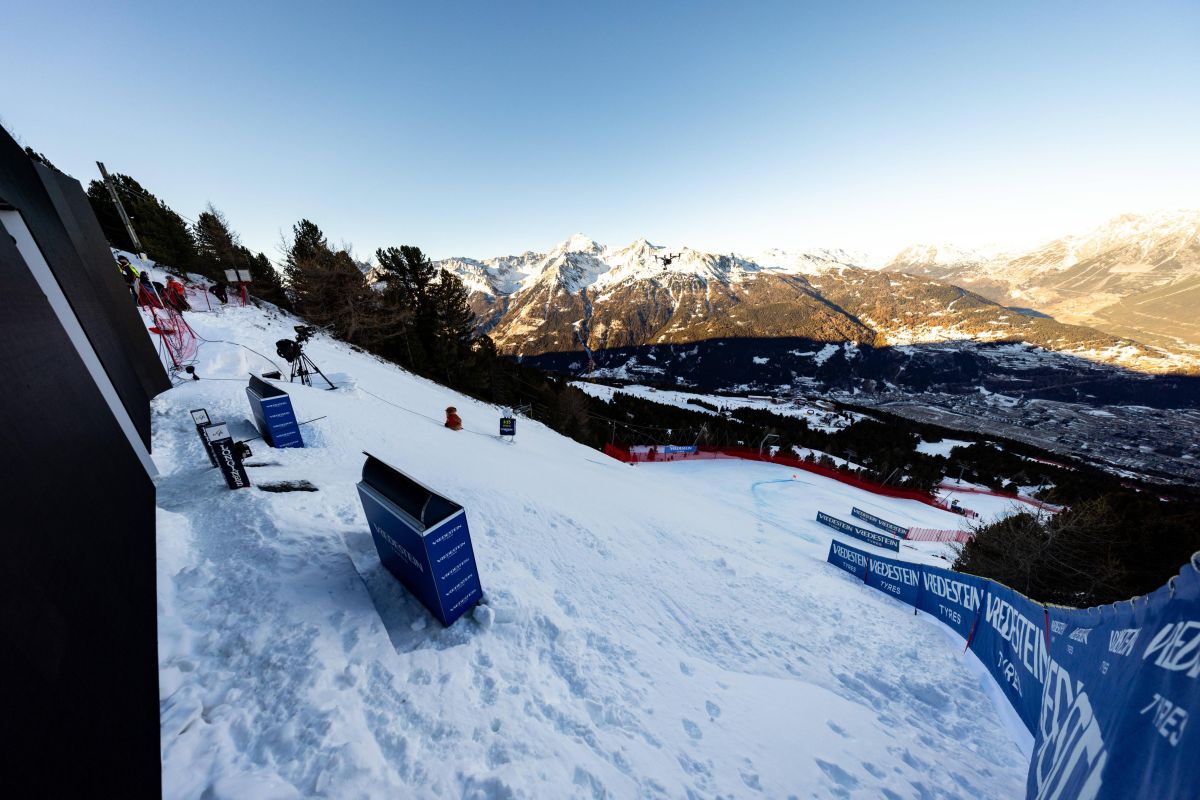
578, 243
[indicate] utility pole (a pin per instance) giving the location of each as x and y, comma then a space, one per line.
112, 191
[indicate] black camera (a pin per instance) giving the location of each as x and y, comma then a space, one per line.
304, 333
287, 349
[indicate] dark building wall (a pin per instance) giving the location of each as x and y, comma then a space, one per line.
78, 654
55, 210
106, 297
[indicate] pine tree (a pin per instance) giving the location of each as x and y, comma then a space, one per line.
166, 237
216, 244
330, 290
308, 256
266, 284
453, 323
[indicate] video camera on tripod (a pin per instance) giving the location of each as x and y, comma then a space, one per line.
292, 350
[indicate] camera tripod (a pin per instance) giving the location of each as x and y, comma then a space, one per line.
303, 367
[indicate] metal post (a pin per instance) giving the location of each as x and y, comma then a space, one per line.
112, 191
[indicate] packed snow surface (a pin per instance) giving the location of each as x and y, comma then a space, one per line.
664, 630
941, 448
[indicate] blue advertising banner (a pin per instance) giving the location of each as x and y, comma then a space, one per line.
848, 558
1011, 641
1120, 691
898, 578
678, 448
870, 537
1107, 692
878, 522
422, 539
953, 597
508, 426
273, 414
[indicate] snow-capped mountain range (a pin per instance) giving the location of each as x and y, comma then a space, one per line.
1135, 276
583, 296
580, 263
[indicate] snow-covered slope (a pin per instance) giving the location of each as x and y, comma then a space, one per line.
665, 630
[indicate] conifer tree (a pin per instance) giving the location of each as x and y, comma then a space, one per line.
267, 284
216, 244
330, 290
166, 237
453, 323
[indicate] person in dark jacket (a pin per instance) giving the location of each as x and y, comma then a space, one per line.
453, 420
130, 274
219, 289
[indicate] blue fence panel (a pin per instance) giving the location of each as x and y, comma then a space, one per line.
848, 558
898, 578
1011, 641
952, 597
879, 522
870, 537
1108, 692
1121, 690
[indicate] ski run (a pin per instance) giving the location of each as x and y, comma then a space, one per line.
659, 630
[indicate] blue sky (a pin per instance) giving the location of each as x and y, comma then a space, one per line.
484, 128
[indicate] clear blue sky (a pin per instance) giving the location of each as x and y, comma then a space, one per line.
483, 128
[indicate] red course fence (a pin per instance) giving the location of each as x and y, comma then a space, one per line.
1039, 504
629, 456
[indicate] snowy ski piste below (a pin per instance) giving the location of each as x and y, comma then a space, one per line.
659, 630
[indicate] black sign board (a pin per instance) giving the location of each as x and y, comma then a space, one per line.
229, 458
200, 417
508, 426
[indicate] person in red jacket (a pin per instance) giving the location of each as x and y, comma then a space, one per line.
453, 420
176, 295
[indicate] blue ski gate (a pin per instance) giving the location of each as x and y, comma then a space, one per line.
1107, 692
422, 538
273, 414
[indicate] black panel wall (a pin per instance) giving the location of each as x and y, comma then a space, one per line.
84, 268
78, 650
107, 299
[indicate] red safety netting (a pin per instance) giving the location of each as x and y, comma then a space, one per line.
937, 535
175, 336
638, 455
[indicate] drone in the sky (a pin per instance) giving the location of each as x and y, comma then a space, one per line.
667, 259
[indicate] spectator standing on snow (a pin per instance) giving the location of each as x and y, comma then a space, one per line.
453, 420
176, 297
220, 291
130, 275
